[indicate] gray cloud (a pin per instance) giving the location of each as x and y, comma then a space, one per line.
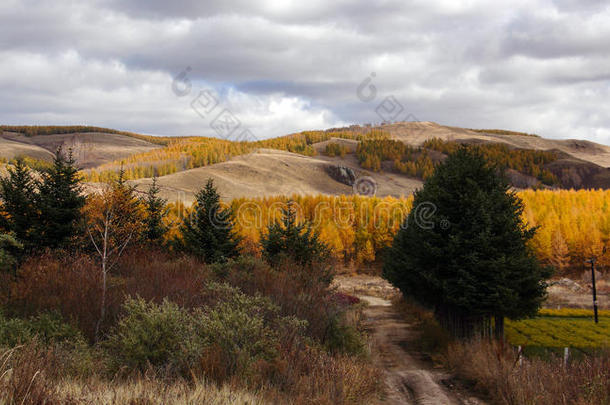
538, 66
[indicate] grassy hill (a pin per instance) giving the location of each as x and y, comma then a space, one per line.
399, 156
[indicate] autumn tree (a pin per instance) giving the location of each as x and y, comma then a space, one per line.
209, 234
114, 220
464, 251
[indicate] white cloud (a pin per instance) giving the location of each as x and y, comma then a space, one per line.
538, 65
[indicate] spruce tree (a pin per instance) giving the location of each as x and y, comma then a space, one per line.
156, 211
295, 240
10, 250
59, 202
209, 234
464, 249
18, 194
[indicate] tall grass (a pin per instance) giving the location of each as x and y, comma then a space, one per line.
495, 370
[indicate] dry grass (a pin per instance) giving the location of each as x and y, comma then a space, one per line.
33, 375
29, 375
497, 372
150, 391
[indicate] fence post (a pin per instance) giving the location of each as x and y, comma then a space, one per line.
520, 355
566, 356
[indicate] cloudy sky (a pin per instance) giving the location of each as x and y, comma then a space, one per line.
275, 67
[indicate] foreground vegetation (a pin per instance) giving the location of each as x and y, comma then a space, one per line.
498, 373
94, 303
243, 324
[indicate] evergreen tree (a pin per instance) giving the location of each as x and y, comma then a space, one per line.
59, 202
18, 194
464, 251
10, 249
295, 240
156, 211
209, 235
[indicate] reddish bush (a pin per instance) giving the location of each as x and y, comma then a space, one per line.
70, 285
155, 275
299, 291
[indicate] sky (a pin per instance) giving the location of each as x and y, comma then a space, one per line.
265, 68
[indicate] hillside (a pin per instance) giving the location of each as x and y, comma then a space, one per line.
416, 133
268, 172
299, 163
90, 149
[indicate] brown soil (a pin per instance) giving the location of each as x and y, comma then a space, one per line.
409, 378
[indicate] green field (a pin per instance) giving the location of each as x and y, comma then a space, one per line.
561, 328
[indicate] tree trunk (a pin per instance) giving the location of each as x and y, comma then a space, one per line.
499, 328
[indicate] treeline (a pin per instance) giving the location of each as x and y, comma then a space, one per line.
188, 153
527, 161
502, 132
405, 159
417, 162
573, 225
334, 149
34, 130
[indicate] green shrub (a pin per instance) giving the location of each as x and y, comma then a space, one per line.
242, 329
48, 328
160, 335
344, 338
246, 328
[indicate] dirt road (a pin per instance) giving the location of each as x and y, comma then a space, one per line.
409, 380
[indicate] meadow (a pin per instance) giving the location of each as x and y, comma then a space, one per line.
559, 331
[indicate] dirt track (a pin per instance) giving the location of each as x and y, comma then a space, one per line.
409, 379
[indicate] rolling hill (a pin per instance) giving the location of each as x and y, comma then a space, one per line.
299, 163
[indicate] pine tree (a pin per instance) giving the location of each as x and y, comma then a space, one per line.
209, 235
295, 240
18, 194
464, 251
10, 250
59, 203
156, 211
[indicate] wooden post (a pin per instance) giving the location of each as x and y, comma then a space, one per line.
594, 290
566, 356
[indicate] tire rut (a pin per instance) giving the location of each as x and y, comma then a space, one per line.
408, 380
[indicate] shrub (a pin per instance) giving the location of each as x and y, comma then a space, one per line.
48, 328
239, 329
160, 335
70, 285
344, 338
